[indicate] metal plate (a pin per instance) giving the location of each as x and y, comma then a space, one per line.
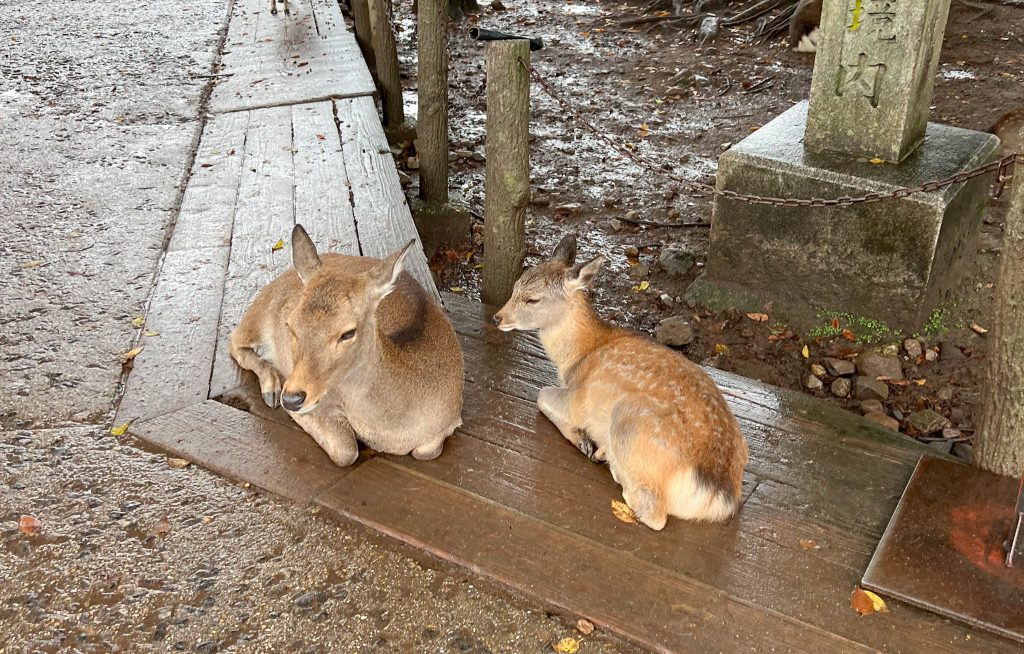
943, 548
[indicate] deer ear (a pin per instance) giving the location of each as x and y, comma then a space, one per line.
304, 256
565, 252
386, 274
582, 276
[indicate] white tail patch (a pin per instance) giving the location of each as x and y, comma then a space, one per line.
808, 42
691, 499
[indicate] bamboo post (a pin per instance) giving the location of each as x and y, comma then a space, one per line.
385, 54
364, 35
432, 85
507, 184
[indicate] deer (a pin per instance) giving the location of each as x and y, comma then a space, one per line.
354, 350
804, 26
656, 418
273, 7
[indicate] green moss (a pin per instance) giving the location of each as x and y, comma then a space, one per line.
865, 330
939, 324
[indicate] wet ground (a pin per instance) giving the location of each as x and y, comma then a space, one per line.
100, 108
664, 95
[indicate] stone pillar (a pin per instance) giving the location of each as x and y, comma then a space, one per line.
873, 76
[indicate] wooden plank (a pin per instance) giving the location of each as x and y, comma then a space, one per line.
251, 21
240, 446
208, 204
244, 22
641, 602
383, 219
173, 369
269, 73
322, 202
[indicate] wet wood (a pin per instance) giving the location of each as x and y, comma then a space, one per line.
383, 219
242, 447
385, 61
173, 369
432, 95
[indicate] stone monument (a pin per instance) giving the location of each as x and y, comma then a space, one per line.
865, 130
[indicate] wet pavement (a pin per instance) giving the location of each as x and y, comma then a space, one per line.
100, 110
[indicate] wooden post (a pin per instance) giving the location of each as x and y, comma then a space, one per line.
507, 185
432, 85
999, 443
364, 35
385, 55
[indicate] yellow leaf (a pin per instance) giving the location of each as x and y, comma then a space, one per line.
806, 352
622, 511
29, 265
139, 321
865, 602
120, 430
721, 348
455, 289
921, 382
876, 160
584, 34
758, 317
132, 353
644, 285
150, 333
277, 246
644, 131
978, 328
469, 255
567, 646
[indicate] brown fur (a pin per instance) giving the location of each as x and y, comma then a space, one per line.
657, 418
359, 350
806, 18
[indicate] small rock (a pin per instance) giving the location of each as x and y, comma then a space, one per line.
870, 406
633, 215
631, 251
875, 364
818, 370
963, 450
950, 352
666, 299
951, 434
478, 157
841, 387
497, 5
869, 388
882, 419
912, 347
616, 225
840, 367
412, 163
931, 354
675, 331
945, 394
813, 383
926, 422
540, 200
463, 154
942, 447
178, 463
639, 271
676, 262
584, 626
568, 209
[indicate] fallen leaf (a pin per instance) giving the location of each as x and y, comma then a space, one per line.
132, 353
835, 323
455, 289
29, 265
120, 430
865, 602
622, 511
150, 333
758, 317
806, 352
921, 382
721, 348
809, 544
178, 463
876, 161
567, 646
138, 321
207, 519
978, 329
849, 335
277, 246
321, 137
29, 525
644, 131
584, 626
644, 285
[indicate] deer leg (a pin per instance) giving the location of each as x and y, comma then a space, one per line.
270, 379
553, 402
287, 11
331, 432
273, 7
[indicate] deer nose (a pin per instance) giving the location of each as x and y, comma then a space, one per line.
497, 320
293, 401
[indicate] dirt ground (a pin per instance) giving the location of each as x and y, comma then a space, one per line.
682, 104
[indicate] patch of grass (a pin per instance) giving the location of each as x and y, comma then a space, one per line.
865, 330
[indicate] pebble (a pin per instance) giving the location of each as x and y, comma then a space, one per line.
631, 251
412, 163
871, 406
464, 154
813, 383
675, 331
964, 451
942, 447
616, 225
949, 433
926, 422
912, 347
882, 419
931, 354
840, 367
951, 352
876, 364
841, 387
178, 463
818, 370
584, 626
478, 157
639, 271
666, 299
869, 388
676, 262
568, 209
945, 394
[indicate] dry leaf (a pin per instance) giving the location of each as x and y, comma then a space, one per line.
132, 353
758, 317
622, 511
150, 333
277, 246
865, 602
120, 430
29, 525
978, 329
876, 160
29, 265
139, 321
567, 646
455, 289
721, 348
178, 463
644, 285
921, 382
835, 323
584, 626
806, 352
644, 131
809, 544
321, 137
849, 335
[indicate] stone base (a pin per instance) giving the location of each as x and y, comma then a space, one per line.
441, 224
894, 260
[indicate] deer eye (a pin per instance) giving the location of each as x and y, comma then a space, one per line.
533, 300
347, 336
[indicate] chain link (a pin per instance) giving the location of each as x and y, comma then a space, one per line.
1002, 165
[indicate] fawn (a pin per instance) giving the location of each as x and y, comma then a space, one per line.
273, 7
354, 348
804, 30
656, 418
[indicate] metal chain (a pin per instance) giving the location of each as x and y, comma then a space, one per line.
1002, 165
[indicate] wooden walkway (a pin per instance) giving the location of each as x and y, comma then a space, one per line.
509, 500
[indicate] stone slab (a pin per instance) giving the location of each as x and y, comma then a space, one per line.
894, 260
873, 76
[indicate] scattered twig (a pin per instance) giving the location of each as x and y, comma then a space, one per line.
642, 221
